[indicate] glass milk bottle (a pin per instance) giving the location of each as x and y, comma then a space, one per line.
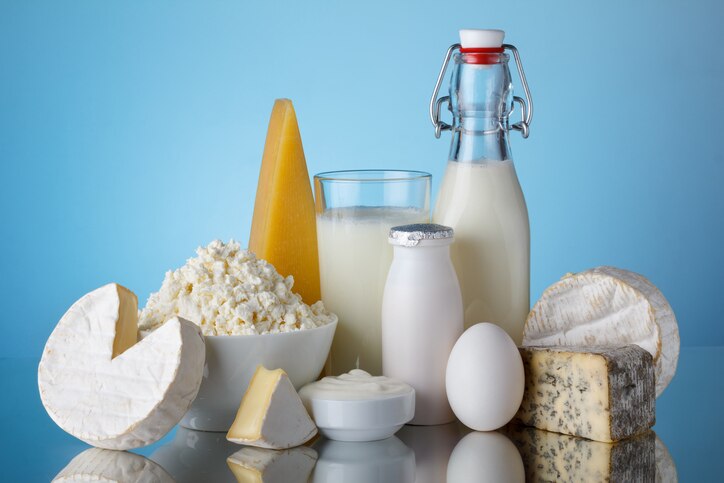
480, 196
422, 316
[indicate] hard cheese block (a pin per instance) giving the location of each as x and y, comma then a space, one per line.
101, 385
259, 465
112, 466
271, 414
283, 229
552, 457
603, 395
607, 307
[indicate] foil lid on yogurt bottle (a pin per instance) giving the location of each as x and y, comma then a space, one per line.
412, 235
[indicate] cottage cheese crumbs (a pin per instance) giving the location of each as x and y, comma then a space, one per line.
228, 291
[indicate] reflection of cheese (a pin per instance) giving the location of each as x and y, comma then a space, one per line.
271, 415
100, 385
558, 457
607, 307
604, 395
283, 229
258, 465
665, 466
111, 466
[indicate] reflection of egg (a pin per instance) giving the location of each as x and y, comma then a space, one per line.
484, 378
483, 457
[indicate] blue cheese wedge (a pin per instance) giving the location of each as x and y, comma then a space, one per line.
101, 384
559, 457
271, 414
259, 465
111, 466
600, 394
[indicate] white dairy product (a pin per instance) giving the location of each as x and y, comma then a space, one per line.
112, 467
271, 415
354, 258
228, 291
484, 204
607, 307
358, 406
355, 385
422, 316
118, 395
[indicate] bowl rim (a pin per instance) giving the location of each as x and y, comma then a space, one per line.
290, 333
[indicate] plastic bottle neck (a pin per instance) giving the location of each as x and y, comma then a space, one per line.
480, 96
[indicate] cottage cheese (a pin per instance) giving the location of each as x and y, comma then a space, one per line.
228, 291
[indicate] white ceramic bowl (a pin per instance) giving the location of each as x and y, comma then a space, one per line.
232, 359
362, 420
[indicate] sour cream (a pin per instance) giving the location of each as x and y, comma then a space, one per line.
354, 386
358, 406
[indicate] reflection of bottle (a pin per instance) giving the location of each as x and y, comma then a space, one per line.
432, 446
384, 461
480, 196
483, 457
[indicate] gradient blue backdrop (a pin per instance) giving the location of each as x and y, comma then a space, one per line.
132, 132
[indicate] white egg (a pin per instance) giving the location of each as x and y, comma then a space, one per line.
484, 378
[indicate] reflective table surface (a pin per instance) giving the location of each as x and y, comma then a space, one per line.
686, 444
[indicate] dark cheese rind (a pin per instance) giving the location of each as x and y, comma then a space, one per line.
600, 394
553, 457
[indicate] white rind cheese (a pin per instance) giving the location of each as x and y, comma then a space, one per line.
126, 401
551, 457
607, 307
112, 466
271, 414
604, 395
259, 465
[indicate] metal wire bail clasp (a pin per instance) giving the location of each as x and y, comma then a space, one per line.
526, 105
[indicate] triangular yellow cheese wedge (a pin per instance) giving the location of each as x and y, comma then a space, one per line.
283, 229
271, 414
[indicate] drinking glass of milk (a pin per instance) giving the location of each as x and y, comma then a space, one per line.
355, 211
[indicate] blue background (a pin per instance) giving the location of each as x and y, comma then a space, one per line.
132, 132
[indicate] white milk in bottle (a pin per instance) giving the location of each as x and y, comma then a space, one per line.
480, 196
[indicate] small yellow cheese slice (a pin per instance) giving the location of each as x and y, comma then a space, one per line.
283, 229
271, 414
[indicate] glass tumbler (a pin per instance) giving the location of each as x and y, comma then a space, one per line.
355, 211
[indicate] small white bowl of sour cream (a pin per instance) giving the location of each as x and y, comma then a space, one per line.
359, 407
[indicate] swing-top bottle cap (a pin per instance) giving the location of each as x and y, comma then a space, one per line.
481, 38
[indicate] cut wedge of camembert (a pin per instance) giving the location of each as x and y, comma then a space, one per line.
260, 465
112, 466
271, 414
103, 386
607, 307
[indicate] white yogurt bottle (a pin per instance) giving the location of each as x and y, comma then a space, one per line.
422, 316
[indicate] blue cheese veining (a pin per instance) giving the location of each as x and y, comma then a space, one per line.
600, 394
